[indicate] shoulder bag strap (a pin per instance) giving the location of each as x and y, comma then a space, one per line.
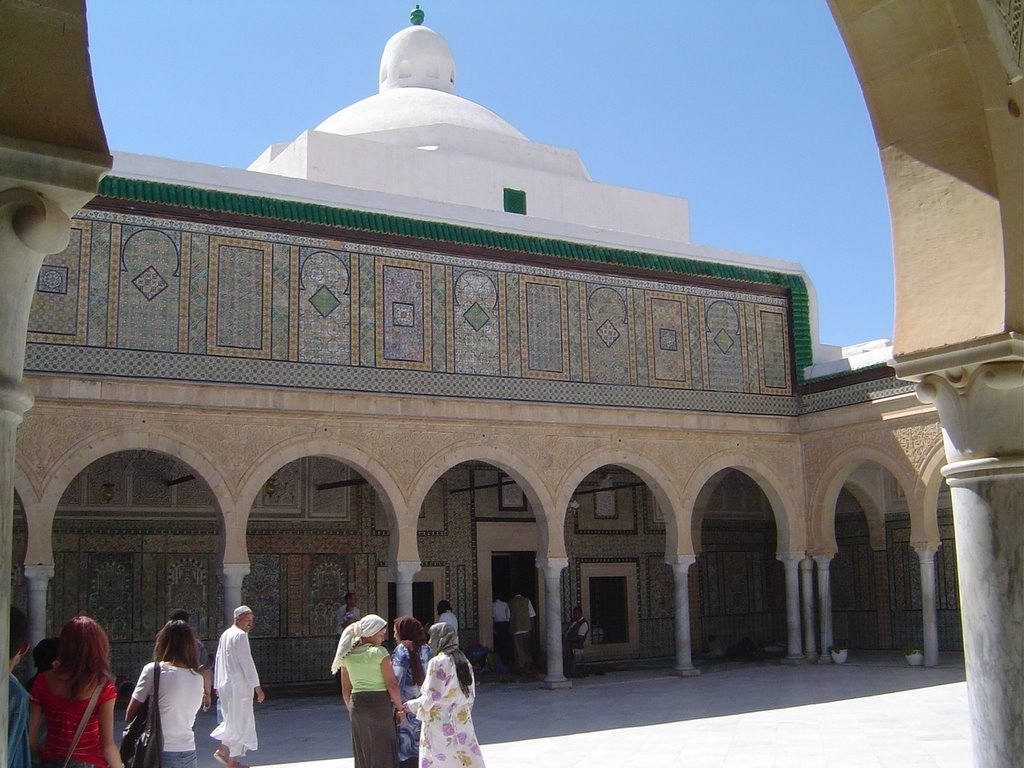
81, 723
153, 715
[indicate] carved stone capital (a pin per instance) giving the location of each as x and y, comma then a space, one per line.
553, 566
37, 222
403, 571
981, 408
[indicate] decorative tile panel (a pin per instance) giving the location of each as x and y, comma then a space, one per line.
241, 276
543, 333
403, 314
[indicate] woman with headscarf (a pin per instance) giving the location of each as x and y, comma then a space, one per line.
409, 662
370, 691
445, 705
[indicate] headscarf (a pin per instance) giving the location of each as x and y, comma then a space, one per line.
353, 635
444, 639
410, 633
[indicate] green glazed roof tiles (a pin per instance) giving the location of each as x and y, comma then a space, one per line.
138, 190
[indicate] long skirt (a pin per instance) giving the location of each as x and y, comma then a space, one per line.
373, 730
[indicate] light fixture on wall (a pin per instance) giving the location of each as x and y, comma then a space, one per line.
270, 487
107, 493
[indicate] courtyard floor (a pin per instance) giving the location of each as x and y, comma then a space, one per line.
875, 710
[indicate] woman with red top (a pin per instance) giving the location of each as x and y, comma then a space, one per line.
62, 695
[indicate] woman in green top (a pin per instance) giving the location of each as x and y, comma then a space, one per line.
370, 691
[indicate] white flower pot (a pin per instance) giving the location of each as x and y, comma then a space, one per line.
839, 657
915, 659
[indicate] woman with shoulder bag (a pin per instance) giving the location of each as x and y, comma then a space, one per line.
76, 701
180, 693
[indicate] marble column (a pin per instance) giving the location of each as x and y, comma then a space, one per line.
791, 562
929, 604
684, 643
981, 407
232, 575
552, 568
403, 572
824, 607
807, 599
38, 579
31, 226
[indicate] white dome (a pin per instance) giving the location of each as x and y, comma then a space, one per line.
417, 57
414, 108
417, 89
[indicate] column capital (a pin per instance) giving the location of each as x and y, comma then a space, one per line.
822, 561
681, 563
926, 550
807, 564
967, 387
405, 570
233, 573
553, 566
37, 573
791, 559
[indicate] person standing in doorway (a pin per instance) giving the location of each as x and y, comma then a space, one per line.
502, 633
521, 624
236, 682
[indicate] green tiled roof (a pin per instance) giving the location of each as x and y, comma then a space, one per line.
311, 213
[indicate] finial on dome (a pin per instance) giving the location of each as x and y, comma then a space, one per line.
417, 16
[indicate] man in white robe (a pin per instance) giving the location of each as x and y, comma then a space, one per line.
236, 682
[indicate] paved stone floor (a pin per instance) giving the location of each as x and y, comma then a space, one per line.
875, 710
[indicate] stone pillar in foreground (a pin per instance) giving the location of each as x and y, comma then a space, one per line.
37, 578
979, 395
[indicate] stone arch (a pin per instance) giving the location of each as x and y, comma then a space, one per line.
656, 477
783, 503
831, 482
85, 452
379, 478
924, 523
526, 476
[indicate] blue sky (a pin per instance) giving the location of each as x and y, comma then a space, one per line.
750, 110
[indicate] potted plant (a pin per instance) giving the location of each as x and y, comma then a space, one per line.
838, 655
914, 657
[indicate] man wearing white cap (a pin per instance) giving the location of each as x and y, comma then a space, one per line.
236, 681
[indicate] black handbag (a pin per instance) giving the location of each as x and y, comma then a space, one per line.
143, 741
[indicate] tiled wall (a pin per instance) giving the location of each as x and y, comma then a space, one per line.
203, 302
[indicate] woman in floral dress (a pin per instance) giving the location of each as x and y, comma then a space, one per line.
445, 705
410, 664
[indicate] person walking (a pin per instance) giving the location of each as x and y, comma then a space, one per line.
79, 681
370, 692
236, 682
409, 662
180, 693
445, 705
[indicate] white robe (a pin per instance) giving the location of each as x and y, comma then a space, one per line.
235, 677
